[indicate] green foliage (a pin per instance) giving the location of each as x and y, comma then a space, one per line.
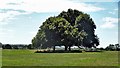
68, 28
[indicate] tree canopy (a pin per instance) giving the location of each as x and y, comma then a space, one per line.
68, 28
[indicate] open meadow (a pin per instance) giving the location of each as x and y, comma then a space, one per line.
29, 58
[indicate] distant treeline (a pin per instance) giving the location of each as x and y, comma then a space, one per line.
15, 46
113, 47
110, 47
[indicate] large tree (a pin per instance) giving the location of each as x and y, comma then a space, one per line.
68, 28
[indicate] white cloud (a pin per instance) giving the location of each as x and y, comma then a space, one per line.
5, 17
46, 5
109, 22
112, 13
8, 15
30, 6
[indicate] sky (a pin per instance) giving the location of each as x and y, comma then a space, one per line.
21, 19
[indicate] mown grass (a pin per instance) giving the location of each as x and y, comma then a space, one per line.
29, 58
0, 57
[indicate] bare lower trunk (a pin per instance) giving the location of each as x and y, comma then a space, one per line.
53, 48
69, 48
66, 48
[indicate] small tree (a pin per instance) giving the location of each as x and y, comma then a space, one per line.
111, 47
117, 47
29, 46
8, 46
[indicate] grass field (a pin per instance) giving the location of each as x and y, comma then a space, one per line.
29, 58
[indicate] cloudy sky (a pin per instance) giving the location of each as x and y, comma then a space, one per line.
20, 19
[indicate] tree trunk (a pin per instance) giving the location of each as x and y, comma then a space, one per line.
54, 48
69, 48
66, 48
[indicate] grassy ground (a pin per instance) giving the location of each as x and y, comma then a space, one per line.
29, 58
0, 57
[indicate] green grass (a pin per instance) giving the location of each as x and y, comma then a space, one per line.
29, 58
0, 57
